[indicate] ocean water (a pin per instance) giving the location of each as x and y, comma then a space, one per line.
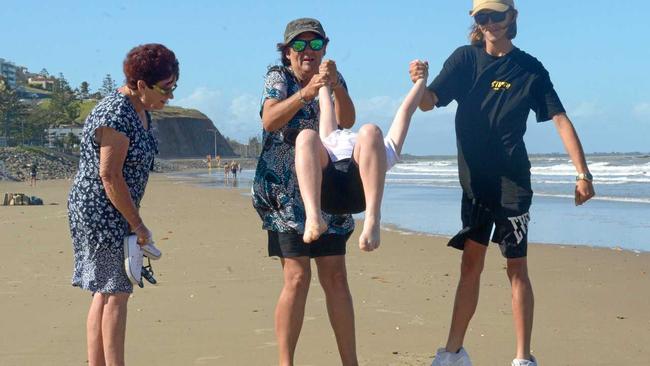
424, 195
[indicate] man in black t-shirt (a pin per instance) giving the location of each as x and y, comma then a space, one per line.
496, 85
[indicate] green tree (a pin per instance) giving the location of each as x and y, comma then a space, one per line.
84, 90
13, 115
70, 142
64, 106
108, 85
36, 126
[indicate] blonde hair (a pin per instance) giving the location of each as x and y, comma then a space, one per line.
476, 36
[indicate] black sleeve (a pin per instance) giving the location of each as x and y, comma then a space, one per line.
545, 101
447, 85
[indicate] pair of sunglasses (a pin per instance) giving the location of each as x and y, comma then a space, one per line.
315, 44
147, 273
164, 91
494, 16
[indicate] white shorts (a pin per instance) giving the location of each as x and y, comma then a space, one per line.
340, 145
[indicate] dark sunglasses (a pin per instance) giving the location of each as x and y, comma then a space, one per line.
164, 91
494, 16
315, 44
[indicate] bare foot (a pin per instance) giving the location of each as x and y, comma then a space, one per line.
313, 229
369, 238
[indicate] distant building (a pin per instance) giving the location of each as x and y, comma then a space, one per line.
8, 72
41, 82
58, 133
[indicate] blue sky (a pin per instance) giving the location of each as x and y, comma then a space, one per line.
596, 52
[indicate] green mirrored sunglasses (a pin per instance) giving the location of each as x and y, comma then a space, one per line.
315, 44
164, 91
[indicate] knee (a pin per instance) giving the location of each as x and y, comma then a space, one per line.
297, 281
471, 268
370, 132
306, 138
336, 281
517, 269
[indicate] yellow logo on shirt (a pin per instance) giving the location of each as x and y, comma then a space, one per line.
500, 85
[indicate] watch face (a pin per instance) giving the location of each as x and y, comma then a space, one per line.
585, 176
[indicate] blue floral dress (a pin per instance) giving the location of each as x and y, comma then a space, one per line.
96, 226
276, 195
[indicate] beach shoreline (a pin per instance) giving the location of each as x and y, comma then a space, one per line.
217, 291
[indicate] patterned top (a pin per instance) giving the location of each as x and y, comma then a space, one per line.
276, 195
96, 226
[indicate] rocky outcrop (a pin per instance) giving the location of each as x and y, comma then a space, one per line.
16, 163
184, 133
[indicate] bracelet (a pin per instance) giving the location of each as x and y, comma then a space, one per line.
138, 227
302, 99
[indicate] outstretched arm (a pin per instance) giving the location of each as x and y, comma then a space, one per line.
420, 69
343, 106
327, 122
584, 189
400, 126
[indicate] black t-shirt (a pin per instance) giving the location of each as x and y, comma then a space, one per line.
495, 96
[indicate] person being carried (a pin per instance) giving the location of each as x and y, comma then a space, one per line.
344, 172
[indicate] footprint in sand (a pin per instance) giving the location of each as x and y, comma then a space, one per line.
380, 279
389, 311
260, 331
206, 359
267, 345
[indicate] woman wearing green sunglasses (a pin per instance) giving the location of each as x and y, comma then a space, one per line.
496, 85
289, 107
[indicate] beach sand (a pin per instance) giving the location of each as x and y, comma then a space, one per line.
217, 292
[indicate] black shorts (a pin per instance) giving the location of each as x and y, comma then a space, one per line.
342, 190
288, 245
510, 222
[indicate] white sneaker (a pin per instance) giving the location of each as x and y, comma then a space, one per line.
444, 358
151, 252
520, 362
133, 256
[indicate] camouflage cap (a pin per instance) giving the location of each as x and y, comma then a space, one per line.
302, 25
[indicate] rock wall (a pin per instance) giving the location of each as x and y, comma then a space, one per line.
188, 137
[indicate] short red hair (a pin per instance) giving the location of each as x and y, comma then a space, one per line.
150, 63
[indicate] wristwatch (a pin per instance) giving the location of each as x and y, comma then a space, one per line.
585, 176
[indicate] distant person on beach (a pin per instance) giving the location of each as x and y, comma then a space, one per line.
344, 172
117, 152
289, 106
496, 85
233, 169
33, 170
226, 171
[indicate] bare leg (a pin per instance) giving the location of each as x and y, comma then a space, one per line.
467, 293
94, 331
523, 303
333, 277
290, 310
370, 155
311, 159
114, 327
